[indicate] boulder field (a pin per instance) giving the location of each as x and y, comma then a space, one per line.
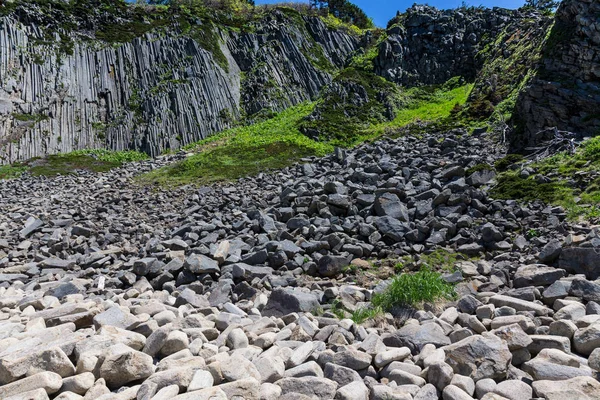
113, 290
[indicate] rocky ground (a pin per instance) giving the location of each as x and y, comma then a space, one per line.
110, 290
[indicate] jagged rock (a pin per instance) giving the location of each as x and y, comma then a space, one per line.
580, 260
479, 357
416, 336
48, 381
284, 301
123, 365
580, 388
587, 339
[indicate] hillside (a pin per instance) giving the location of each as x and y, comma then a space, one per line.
155, 78
214, 200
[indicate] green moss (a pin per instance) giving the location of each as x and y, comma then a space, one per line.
505, 162
206, 36
512, 186
95, 160
507, 64
342, 121
12, 171
568, 181
478, 168
29, 117
364, 60
243, 151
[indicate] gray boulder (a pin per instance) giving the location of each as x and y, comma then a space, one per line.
286, 300
479, 357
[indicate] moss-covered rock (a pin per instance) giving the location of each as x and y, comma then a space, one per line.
353, 102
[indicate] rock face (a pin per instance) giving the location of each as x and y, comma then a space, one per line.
157, 91
429, 46
564, 93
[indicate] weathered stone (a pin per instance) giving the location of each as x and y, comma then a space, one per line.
284, 301
580, 388
320, 388
48, 381
479, 357
123, 365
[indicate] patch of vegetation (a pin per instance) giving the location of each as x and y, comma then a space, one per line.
335, 23
95, 160
505, 162
568, 180
316, 56
412, 290
478, 168
438, 105
243, 151
532, 233
12, 171
337, 310
438, 260
363, 314
121, 157
29, 117
365, 58
341, 119
206, 36
508, 63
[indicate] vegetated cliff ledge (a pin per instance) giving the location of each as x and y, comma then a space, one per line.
70, 81
564, 91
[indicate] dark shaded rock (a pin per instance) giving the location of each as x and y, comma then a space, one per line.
283, 301
416, 336
332, 265
550, 252
580, 260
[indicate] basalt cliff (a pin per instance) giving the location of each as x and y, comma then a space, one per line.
102, 74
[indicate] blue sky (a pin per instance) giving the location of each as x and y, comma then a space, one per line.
383, 10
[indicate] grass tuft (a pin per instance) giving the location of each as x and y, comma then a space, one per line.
411, 290
12, 171
363, 314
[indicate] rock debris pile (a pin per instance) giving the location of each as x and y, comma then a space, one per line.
110, 290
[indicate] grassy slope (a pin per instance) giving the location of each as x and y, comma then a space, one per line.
242, 151
572, 181
278, 142
96, 160
427, 106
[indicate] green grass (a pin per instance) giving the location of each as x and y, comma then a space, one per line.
288, 136
95, 160
478, 168
426, 104
112, 156
437, 260
363, 314
411, 290
569, 184
505, 162
335, 23
337, 310
11, 171
243, 151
